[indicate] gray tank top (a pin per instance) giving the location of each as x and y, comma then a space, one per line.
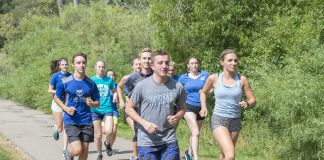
228, 98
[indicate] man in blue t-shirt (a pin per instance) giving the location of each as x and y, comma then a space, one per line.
80, 94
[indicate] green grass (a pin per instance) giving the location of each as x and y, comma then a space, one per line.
4, 155
248, 146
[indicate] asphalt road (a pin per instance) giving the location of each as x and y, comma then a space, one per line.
31, 131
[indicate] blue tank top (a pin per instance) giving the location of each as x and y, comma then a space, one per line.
228, 98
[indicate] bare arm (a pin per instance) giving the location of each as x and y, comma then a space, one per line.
120, 87
130, 111
51, 89
68, 110
248, 93
208, 87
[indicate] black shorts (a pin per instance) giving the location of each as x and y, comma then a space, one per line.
84, 133
195, 110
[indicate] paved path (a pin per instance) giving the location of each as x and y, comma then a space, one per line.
31, 131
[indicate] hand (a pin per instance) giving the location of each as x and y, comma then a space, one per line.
150, 127
203, 112
70, 110
244, 104
173, 120
89, 101
122, 104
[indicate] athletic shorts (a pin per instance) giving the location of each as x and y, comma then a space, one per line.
168, 151
97, 116
233, 124
84, 133
55, 107
195, 110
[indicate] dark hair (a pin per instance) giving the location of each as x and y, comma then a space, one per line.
159, 53
111, 70
79, 54
133, 59
54, 65
192, 57
224, 53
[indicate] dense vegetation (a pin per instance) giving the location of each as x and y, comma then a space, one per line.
280, 45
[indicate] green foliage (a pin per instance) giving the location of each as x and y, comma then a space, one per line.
280, 45
102, 32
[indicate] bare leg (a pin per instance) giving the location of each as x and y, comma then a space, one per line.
227, 141
57, 116
190, 118
98, 135
85, 149
76, 148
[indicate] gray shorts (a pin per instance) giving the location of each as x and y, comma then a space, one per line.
84, 133
233, 124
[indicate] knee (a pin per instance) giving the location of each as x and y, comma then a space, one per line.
98, 134
229, 156
76, 152
108, 130
195, 133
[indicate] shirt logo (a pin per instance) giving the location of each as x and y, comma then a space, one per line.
202, 78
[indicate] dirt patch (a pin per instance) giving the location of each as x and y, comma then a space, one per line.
15, 152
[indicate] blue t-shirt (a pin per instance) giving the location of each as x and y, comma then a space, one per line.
175, 77
193, 87
75, 92
57, 78
113, 105
105, 85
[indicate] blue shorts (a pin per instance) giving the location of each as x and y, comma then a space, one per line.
97, 116
168, 151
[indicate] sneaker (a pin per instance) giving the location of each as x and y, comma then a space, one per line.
56, 134
65, 151
109, 150
133, 158
67, 156
187, 155
99, 157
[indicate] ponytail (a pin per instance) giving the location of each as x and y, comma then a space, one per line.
54, 66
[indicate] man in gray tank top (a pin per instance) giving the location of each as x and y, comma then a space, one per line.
155, 98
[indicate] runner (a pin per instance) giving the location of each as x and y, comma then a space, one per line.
136, 66
81, 94
111, 73
228, 89
172, 68
59, 70
133, 79
154, 98
104, 113
193, 82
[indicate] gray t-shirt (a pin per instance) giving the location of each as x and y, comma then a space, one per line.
155, 103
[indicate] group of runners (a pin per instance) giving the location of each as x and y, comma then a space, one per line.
155, 101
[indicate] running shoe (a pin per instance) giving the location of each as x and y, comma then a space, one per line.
56, 134
109, 150
65, 151
187, 155
67, 156
99, 157
133, 158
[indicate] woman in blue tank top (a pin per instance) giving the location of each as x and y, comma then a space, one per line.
228, 89
193, 81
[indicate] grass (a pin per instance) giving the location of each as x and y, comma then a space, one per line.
248, 145
9, 152
4, 154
